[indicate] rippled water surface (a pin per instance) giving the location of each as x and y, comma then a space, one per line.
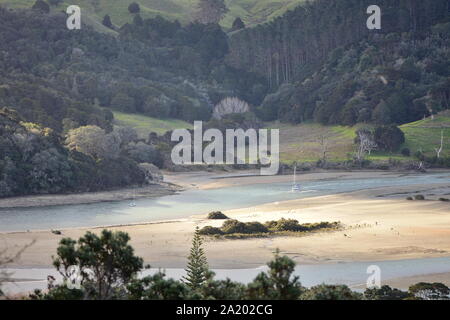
190, 202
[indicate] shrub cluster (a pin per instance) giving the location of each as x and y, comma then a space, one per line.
115, 276
218, 215
233, 227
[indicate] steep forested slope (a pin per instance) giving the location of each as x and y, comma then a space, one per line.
318, 62
60, 78
324, 64
34, 160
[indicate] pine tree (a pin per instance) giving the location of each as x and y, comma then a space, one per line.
238, 24
197, 268
107, 22
134, 7
210, 11
42, 6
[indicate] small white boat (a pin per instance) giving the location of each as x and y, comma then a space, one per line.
133, 203
295, 186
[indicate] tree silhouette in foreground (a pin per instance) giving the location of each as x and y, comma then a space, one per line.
197, 269
105, 263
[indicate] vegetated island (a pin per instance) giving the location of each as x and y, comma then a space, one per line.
234, 229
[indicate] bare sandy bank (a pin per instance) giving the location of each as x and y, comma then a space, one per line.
175, 182
156, 190
380, 225
213, 180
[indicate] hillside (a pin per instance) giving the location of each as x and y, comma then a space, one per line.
309, 72
250, 11
301, 143
145, 125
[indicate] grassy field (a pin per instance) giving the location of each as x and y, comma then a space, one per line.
425, 135
144, 125
251, 11
302, 142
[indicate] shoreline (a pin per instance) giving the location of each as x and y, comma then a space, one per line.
380, 225
180, 181
49, 200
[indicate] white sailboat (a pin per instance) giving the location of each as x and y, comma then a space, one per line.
133, 202
295, 186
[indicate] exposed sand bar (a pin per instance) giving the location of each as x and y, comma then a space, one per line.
380, 225
175, 182
155, 190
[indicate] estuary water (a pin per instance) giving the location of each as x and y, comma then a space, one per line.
190, 202
353, 274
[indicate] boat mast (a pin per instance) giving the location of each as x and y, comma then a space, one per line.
295, 172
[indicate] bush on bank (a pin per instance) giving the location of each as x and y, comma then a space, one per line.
234, 227
116, 268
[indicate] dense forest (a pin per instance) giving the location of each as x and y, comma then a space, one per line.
317, 62
60, 78
324, 63
37, 160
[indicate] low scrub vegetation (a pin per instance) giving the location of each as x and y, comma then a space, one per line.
217, 215
114, 276
235, 228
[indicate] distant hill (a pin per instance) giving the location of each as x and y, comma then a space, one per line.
250, 11
301, 142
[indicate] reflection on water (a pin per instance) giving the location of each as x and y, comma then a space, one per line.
188, 203
353, 274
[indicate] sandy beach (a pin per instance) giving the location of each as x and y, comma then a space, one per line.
380, 224
154, 190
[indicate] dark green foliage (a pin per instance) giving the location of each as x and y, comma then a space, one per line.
444, 199
284, 225
330, 292
210, 231
406, 152
37, 78
389, 138
278, 284
210, 11
61, 292
430, 291
122, 102
144, 153
381, 114
134, 7
216, 215
197, 268
223, 290
109, 258
235, 227
238, 24
114, 268
107, 22
343, 73
54, 2
293, 225
44, 165
419, 197
385, 293
42, 6
138, 21
409, 198
156, 287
